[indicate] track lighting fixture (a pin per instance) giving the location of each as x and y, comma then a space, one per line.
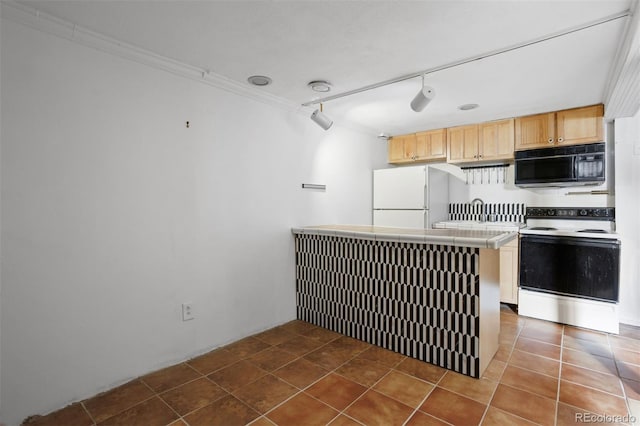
427, 93
320, 119
424, 96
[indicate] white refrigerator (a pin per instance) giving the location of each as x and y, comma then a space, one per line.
410, 197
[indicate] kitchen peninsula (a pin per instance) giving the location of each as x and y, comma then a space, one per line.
431, 294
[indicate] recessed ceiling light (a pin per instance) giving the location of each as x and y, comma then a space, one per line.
319, 85
467, 107
259, 80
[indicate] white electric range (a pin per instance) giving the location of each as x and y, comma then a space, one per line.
569, 266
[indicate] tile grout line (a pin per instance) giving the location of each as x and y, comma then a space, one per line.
157, 394
599, 390
206, 405
88, 413
153, 395
415, 410
506, 364
435, 385
561, 346
617, 375
561, 362
300, 391
392, 369
370, 388
174, 387
266, 419
624, 391
555, 416
171, 408
306, 387
333, 371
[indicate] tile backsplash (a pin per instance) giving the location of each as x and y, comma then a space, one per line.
503, 212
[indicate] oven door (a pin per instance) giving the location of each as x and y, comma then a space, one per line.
582, 267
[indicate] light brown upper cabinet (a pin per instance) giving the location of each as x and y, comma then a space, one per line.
567, 127
402, 148
497, 140
481, 142
462, 144
431, 145
423, 146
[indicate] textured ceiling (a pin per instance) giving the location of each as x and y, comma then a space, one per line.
356, 43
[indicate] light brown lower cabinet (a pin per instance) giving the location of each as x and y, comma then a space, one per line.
509, 272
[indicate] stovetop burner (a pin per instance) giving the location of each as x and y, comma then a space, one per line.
576, 222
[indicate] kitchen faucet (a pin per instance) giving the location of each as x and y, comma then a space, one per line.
483, 215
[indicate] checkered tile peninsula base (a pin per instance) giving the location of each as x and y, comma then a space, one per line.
417, 299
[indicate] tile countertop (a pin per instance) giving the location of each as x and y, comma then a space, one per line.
480, 226
492, 239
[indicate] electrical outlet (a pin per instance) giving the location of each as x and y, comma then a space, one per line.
187, 311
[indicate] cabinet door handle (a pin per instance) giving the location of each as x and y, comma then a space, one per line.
560, 140
550, 140
480, 156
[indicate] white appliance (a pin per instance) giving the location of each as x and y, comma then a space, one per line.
410, 197
569, 267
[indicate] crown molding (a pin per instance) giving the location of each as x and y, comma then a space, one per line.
44, 22
52, 25
622, 94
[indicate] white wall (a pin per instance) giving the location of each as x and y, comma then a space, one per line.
0, 217
627, 137
114, 213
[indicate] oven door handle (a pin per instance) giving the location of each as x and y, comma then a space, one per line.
572, 241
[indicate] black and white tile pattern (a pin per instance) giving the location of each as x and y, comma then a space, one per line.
503, 212
417, 299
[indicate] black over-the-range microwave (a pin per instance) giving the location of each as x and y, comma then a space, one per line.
561, 166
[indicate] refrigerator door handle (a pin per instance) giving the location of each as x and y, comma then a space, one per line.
426, 196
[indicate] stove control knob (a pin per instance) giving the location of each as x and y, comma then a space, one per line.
551, 212
583, 212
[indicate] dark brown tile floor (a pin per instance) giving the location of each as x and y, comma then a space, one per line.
299, 374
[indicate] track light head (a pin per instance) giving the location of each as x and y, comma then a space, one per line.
422, 99
320, 119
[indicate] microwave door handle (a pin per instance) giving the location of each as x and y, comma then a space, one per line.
575, 168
